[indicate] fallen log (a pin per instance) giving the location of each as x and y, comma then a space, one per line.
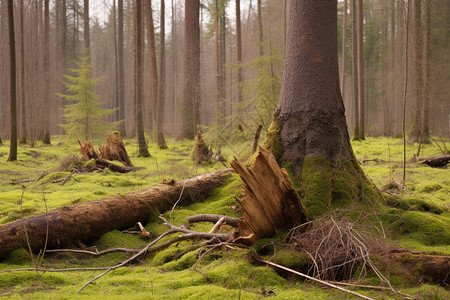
86, 222
270, 200
437, 162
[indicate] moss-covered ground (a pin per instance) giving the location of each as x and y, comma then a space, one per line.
417, 217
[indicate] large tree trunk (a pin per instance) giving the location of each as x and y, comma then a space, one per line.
86, 222
309, 129
12, 64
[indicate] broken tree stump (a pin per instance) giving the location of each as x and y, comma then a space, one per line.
115, 150
201, 152
270, 201
86, 222
88, 152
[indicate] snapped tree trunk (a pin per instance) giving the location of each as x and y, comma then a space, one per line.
270, 202
115, 150
86, 222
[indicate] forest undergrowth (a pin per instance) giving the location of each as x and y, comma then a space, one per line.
415, 217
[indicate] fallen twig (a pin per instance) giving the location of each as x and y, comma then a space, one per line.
234, 222
316, 280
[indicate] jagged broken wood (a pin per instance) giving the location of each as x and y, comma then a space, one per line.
270, 201
115, 150
86, 222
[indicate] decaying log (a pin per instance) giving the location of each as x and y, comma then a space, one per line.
437, 162
435, 268
270, 201
115, 150
88, 152
86, 222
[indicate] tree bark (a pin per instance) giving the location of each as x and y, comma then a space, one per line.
239, 50
360, 49
162, 80
115, 150
355, 75
121, 108
270, 202
138, 79
152, 61
86, 222
46, 60
13, 96
309, 130
344, 49
23, 136
191, 105
87, 42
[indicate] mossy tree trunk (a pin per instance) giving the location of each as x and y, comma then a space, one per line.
309, 130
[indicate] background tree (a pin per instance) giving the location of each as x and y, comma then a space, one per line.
23, 132
162, 79
121, 71
360, 54
86, 31
138, 78
191, 109
309, 130
12, 68
84, 115
355, 111
46, 83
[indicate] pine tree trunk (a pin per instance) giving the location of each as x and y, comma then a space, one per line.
162, 79
87, 43
309, 130
23, 136
13, 85
360, 54
121, 107
355, 114
239, 49
46, 86
152, 61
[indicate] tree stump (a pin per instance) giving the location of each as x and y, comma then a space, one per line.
115, 150
270, 202
201, 152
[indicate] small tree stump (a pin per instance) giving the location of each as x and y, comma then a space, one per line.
115, 150
270, 202
201, 152
87, 151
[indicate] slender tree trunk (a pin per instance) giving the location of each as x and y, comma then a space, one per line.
120, 62
319, 151
191, 105
356, 129
344, 48
416, 131
162, 79
220, 64
427, 98
174, 66
239, 50
116, 66
360, 54
23, 137
260, 29
138, 78
87, 43
152, 61
13, 86
46, 86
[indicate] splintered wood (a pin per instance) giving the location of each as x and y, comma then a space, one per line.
270, 201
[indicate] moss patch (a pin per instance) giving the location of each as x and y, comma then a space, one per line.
273, 142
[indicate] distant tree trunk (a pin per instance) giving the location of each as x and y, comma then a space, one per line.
152, 61
23, 135
46, 86
344, 48
239, 49
319, 151
116, 66
416, 131
138, 79
191, 69
87, 43
120, 63
360, 55
162, 79
174, 66
356, 129
220, 64
12, 68
427, 98
260, 29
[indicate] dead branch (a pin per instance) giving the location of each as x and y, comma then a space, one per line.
96, 253
316, 280
234, 222
256, 138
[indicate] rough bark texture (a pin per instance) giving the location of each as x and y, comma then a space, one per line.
309, 130
270, 202
201, 152
12, 65
86, 222
115, 150
191, 99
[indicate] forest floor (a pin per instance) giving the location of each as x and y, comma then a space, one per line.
421, 212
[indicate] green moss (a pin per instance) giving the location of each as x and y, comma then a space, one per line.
291, 258
429, 187
53, 176
273, 142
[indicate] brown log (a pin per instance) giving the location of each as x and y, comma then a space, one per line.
270, 202
435, 268
115, 150
437, 162
86, 222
